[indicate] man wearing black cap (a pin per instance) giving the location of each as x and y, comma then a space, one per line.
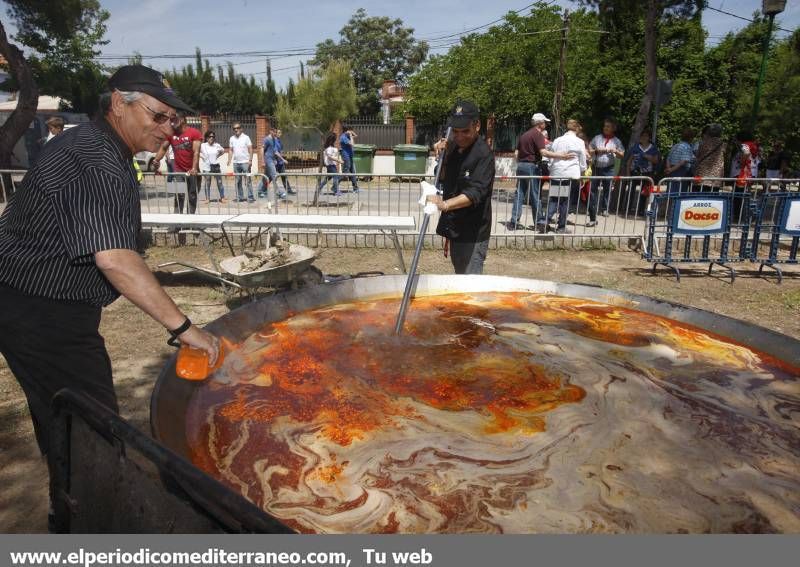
68, 248
467, 179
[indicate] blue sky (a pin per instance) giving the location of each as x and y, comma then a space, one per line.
178, 26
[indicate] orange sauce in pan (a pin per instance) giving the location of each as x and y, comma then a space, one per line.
292, 401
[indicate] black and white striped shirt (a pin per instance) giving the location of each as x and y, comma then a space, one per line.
81, 197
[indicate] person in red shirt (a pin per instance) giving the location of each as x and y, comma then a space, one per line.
185, 142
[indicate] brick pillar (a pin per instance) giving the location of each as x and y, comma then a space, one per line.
409, 129
205, 124
337, 129
262, 129
490, 125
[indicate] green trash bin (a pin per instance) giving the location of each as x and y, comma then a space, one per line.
363, 155
410, 159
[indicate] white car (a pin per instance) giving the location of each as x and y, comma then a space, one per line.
144, 159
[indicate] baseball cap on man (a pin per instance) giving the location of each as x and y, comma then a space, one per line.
539, 117
463, 114
146, 80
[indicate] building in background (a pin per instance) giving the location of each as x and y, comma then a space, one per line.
392, 95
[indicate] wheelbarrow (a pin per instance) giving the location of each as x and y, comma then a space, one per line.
293, 274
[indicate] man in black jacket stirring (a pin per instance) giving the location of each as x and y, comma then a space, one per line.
467, 179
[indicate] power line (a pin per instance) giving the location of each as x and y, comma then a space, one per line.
743, 18
272, 54
435, 43
500, 19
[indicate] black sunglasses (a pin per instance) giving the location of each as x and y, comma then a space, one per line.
161, 117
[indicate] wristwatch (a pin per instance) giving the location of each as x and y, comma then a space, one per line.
175, 333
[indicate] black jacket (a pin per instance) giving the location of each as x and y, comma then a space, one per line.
470, 173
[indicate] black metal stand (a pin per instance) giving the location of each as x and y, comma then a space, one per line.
731, 270
774, 267
670, 266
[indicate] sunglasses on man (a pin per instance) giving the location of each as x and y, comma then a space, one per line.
162, 117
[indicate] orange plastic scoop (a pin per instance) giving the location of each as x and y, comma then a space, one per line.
193, 362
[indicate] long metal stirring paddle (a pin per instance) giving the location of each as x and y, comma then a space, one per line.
412, 272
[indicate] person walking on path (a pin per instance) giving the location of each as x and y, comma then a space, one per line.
240, 151
271, 173
331, 160
280, 164
210, 151
346, 141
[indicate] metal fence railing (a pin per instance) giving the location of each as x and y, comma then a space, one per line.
384, 136
585, 221
575, 217
222, 125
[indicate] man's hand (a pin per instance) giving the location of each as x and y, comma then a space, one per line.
154, 165
203, 340
192, 171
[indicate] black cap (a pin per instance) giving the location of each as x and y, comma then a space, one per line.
463, 114
146, 80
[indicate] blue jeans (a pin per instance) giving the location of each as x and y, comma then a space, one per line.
331, 169
528, 191
272, 175
594, 193
349, 167
214, 168
243, 168
280, 167
561, 204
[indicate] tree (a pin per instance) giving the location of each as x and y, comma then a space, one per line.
271, 93
502, 69
622, 17
377, 48
779, 118
321, 98
62, 39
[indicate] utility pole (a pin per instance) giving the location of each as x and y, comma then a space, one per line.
560, 82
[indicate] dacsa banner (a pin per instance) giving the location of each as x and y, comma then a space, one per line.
695, 215
791, 217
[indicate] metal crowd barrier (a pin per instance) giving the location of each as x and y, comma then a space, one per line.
754, 187
680, 220
625, 217
778, 222
592, 207
384, 195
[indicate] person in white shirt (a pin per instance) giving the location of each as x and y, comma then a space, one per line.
210, 151
332, 160
240, 150
565, 175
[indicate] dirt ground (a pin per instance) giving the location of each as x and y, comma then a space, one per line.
138, 349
